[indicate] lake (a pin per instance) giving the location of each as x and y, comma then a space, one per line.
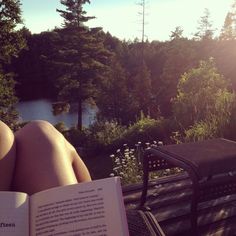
42, 110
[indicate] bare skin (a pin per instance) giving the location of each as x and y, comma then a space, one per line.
7, 156
41, 158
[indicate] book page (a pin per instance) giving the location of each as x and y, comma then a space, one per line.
14, 214
94, 208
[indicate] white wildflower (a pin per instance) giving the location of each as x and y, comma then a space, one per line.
116, 168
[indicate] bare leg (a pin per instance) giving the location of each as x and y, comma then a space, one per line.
7, 156
45, 159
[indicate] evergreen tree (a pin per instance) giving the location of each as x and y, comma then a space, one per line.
180, 56
11, 42
228, 31
177, 33
115, 102
142, 90
40, 75
205, 30
80, 55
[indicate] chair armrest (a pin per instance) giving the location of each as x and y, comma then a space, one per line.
143, 223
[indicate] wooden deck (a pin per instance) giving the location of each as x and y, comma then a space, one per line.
169, 199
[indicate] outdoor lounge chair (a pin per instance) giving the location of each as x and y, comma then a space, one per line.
143, 223
210, 164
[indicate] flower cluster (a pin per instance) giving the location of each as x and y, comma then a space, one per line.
127, 162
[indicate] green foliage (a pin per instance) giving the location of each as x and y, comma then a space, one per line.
60, 107
80, 52
77, 137
114, 101
110, 135
180, 55
228, 31
146, 130
19, 125
203, 105
201, 131
141, 89
229, 131
202, 94
40, 75
117, 90
8, 100
81, 68
105, 133
100, 137
106, 136
61, 127
177, 33
127, 164
11, 42
205, 30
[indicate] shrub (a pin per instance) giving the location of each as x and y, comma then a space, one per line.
107, 136
61, 127
106, 132
201, 131
76, 137
146, 130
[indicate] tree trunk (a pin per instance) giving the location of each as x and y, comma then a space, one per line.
80, 113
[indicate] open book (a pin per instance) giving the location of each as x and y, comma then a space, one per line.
93, 208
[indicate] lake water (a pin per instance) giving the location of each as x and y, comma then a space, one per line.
42, 110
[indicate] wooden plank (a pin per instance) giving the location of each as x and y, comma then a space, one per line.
127, 189
225, 227
170, 203
158, 190
176, 218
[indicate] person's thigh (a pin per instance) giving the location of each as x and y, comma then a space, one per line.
44, 158
7, 156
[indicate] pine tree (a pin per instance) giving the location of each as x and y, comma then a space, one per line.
142, 92
177, 33
11, 42
228, 31
80, 54
115, 102
205, 30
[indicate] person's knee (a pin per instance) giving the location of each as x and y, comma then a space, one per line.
43, 158
39, 128
38, 135
5, 131
6, 138
7, 156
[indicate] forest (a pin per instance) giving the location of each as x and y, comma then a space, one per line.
179, 90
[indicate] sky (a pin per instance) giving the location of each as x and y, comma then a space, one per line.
122, 19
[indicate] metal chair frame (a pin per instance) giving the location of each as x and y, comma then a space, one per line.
202, 190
